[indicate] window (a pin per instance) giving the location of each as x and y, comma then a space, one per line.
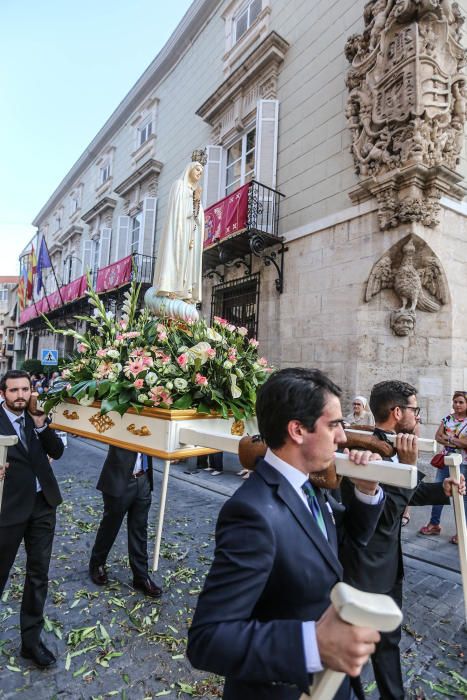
238, 302
135, 228
246, 17
240, 164
58, 222
144, 132
67, 269
3, 294
104, 173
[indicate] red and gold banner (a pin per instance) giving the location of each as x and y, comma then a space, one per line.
114, 275
226, 218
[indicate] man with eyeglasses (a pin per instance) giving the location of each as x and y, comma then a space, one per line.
378, 567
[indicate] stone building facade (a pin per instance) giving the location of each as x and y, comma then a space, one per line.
361, 268
8, 318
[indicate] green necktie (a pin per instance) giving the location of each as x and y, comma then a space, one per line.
310, 494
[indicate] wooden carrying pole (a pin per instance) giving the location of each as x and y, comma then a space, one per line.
424, 445
393, 473
379, 612
5, 442
453, 462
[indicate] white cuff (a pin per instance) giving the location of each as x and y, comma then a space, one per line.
310, 645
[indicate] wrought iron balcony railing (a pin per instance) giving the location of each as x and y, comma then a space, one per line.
105, 280
247, 221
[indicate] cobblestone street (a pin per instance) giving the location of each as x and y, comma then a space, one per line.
114, 642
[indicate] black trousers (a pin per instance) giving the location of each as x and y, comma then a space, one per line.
134, 503
38, 534
387, 658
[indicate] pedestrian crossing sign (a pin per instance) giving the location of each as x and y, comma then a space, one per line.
49, 357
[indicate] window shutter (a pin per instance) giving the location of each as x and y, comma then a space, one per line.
212, 176
122, 237
87, 256
104, 249
148, 226
267, 123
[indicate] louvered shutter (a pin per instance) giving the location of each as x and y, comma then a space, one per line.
104, 249
123, 247
148, 226
212, 176
88, 248
267, 126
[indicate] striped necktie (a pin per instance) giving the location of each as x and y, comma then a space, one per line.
310, 494
22, 432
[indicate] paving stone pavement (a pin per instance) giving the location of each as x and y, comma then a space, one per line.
114, 642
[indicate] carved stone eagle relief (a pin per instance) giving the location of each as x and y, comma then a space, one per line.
416, 276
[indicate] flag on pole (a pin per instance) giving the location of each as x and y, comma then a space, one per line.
22, 287
43, 261
31, 271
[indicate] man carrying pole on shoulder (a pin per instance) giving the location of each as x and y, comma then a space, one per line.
263, 619
378, 566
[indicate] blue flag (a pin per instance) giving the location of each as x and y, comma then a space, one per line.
43, 261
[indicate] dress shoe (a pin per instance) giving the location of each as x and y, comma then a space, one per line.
148, 587
98, 575
39, 655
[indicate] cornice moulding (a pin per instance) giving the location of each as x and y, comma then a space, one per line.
99, 208
150, 167
270, 52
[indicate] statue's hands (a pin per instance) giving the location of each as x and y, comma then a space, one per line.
197, 194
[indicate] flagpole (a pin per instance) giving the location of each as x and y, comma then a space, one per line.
55, 276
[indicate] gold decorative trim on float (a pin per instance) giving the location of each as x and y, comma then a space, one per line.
238, 428
144, 430
102, 423
71, 415
154, 431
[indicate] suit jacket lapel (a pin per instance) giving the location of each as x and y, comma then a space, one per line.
6, 428
301, 514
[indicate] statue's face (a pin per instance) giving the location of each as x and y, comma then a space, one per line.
196, 172
402, 323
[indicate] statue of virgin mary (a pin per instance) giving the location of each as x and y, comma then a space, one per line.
179, 260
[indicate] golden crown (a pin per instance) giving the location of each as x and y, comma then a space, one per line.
200, 156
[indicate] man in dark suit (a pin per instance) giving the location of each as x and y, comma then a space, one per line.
263, 619
30, 499
126, 483
378, 567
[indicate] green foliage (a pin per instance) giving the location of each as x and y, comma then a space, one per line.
139, 361
32, 366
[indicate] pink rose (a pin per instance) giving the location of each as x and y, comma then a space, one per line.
162, 336
231, 327
102, 352
82, 347
253, 342
242, 331
183, 360
138, 383
200, 380
220, 321
211, 353
263, 362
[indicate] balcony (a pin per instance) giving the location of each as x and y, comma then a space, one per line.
109, 280
244, 223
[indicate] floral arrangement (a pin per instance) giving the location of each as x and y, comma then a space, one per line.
139, 361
